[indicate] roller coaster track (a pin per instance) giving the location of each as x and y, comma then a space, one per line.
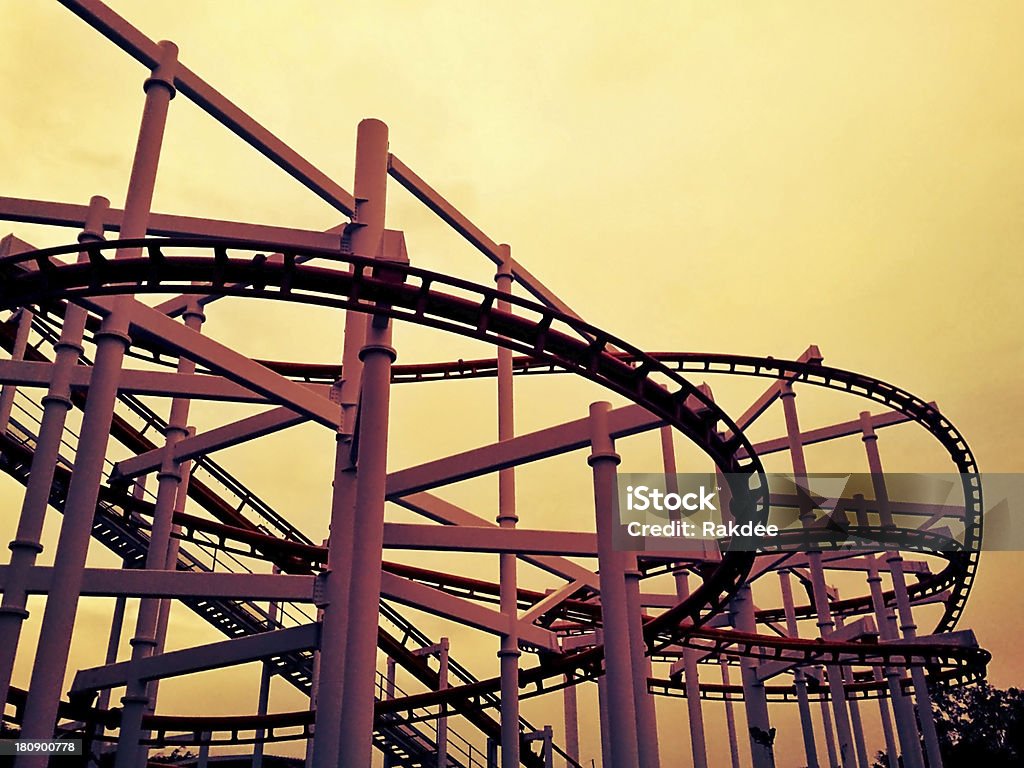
957, 577
551, 341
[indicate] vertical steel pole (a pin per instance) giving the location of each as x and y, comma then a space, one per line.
442, 719
571, 719
263, 700
17, 353
886, 630
389, 693
112, 341
113, 646
147, 626
117, 620
904, 609
314, 685
327, 700
730, 717
364, 583
855, 720
829, 733
603, 706
113, 643
643, 701
614, 608
691, 679
799, 679
762, 736
819, 590
171, 564
367, 237
549, 753
508, 652
56, 403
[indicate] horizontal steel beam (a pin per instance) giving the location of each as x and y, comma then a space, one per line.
215, 439
224, 653
115, 582
198, 386
459, 538
441, 511
551, 601
424, 598
832, 432
58, 214
552, 441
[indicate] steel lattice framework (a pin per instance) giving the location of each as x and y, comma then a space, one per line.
76, 329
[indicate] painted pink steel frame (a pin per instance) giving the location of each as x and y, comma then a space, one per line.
600, 624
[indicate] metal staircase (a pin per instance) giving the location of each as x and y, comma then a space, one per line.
407, 745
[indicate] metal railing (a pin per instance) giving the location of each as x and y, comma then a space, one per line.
204, 552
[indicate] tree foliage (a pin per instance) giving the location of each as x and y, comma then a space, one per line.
978, 725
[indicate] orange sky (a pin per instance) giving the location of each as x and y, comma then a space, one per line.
740, 177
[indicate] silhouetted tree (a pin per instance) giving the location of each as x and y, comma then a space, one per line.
978, 725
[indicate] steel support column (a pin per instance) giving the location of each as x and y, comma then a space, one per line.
762, 735
147, 638
886, 629
828, 732
442, 719
902, 706
171, 564
614, 609
691, 679
367, 237
334, 610
603, 705
56, 403
855, 720
819, 590
389, 694
894, 560
508, 652
643, 701
570, 719
730, 717
799, 679
364, 584
263, 699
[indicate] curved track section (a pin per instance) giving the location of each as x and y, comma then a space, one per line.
552, 342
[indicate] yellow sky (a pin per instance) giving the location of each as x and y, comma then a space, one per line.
745, 177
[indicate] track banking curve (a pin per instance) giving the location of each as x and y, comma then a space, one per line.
551, 341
